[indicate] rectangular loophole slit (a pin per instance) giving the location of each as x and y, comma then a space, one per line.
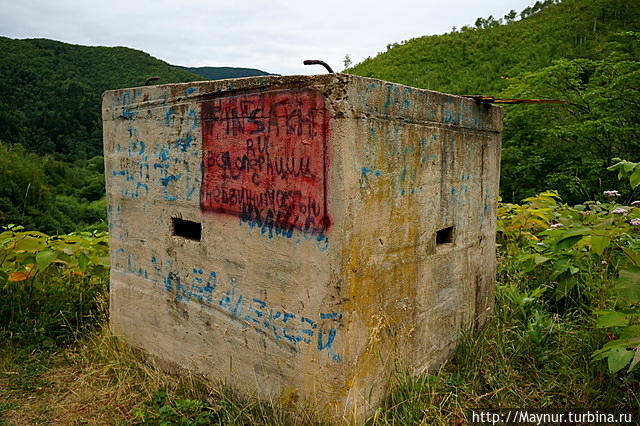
186, 229
445, 235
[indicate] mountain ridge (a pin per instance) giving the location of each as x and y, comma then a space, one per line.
220, 73
482, 59
51, 90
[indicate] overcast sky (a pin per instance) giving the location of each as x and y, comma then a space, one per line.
272, 35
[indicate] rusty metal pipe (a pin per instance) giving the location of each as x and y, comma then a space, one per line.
318, 62
150, 79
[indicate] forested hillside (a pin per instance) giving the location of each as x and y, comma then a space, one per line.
53, 196
220, 73
51, 165
481, 59
582, 51
51, 92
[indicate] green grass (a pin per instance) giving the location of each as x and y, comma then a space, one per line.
508, 364
98, 379
505, 367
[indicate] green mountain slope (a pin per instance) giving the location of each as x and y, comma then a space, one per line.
481, 60
50, 92
220, 73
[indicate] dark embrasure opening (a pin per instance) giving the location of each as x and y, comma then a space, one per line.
187, 229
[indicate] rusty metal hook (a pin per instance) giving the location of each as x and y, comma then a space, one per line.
150, 79
318, 62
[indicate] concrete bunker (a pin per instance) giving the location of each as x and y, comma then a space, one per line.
300, 237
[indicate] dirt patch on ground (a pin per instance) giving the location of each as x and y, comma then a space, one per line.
57, 393
67, 387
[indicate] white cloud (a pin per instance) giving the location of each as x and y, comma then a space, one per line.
272, 35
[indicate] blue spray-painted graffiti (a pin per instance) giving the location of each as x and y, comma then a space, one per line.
166, 164
368, 170
269, 227
140, 171
113, 215
210, 291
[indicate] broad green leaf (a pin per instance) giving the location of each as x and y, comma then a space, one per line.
600, 354
616, 166
599, 244
634, 179
635, 360
628, 166
541, 223
576, 231
603, 352
29, 259
83, 261
526, 262
65, 258
37, 234
625, 343
564, 287
44, 259
540, 259
619, 358
627, 286
611, 319
559, 266
29, 243
550, 193
568, 242
630, 332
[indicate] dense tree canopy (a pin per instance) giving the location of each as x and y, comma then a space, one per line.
568, 147
482, 59
51, 92
50, 195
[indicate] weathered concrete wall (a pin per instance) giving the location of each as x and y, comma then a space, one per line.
319, 200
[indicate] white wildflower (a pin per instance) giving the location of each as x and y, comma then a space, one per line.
541, 244
613, 193
619, 210
604, 262
636, 203
556, 226
635, 222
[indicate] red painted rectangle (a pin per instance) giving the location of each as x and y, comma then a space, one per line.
265, 158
